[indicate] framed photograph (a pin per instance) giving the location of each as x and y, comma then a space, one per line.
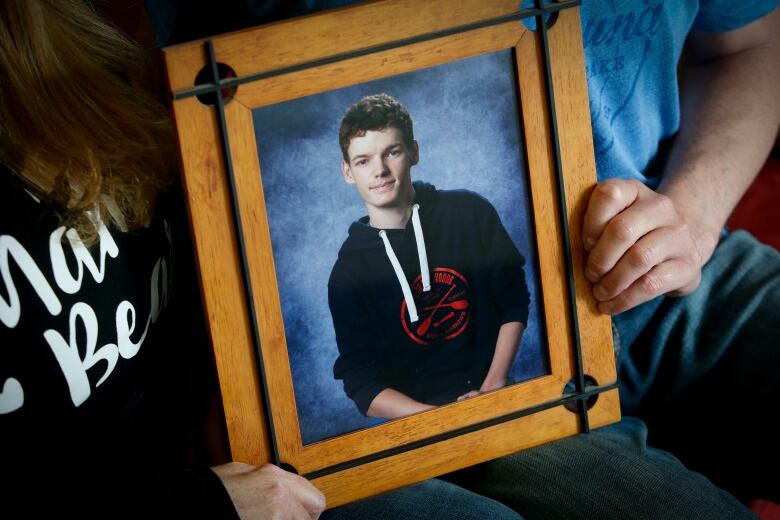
387, 229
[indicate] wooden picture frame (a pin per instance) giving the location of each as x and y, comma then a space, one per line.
235, 254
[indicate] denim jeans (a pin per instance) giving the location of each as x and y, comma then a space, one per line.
702, 370
433, 498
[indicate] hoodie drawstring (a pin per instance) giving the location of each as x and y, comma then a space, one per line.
399, 273
418, 235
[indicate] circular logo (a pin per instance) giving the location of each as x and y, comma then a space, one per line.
443, 312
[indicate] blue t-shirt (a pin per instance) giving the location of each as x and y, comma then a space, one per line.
631, 52
632, 48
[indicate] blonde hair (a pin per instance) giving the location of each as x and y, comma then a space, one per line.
75, 125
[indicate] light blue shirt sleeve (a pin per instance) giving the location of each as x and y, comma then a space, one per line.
727, 15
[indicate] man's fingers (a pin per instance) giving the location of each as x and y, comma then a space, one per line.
639, 246
667, 277
654, 248
607, 200
625, 230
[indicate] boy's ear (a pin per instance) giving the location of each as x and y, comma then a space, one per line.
415, 152
348, 178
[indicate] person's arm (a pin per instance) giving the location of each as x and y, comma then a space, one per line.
642, 243
361, 364
510, 294
391, 404
508, 342
506, 349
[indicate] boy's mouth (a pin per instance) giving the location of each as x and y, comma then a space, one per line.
383, 186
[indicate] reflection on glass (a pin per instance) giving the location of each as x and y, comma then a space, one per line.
411, 284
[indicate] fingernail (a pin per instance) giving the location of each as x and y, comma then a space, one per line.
589, 243
600, 293
591, 275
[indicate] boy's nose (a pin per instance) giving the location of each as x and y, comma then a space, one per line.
382, 169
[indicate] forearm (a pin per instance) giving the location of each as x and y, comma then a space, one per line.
730, 114
391, 404
506, 349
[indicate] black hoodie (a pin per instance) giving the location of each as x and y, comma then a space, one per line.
477, 284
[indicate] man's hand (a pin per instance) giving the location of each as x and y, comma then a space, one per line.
643, 244
639, 246
269, 492
468, 395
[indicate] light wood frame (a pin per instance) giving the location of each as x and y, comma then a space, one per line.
414, 448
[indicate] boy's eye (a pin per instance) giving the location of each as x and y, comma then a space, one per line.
361, 162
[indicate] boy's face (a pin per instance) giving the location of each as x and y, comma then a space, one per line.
379, 166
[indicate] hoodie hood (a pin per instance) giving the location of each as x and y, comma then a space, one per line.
363, 236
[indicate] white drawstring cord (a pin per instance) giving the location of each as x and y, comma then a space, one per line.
399, 273
418, 235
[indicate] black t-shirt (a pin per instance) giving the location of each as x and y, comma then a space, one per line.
98, 373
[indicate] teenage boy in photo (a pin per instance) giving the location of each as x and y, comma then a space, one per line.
421, 319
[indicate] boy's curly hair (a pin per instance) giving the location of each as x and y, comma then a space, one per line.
376, 112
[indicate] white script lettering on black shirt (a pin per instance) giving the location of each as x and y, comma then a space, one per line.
64, 345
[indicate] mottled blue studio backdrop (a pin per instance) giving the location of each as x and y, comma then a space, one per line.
467, 124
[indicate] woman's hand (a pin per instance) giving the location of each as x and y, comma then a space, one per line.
269, 492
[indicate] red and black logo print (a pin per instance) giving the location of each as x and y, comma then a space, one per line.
443, 312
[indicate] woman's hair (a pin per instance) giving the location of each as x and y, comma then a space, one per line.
75, 125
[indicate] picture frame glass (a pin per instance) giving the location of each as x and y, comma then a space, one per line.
467, 126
